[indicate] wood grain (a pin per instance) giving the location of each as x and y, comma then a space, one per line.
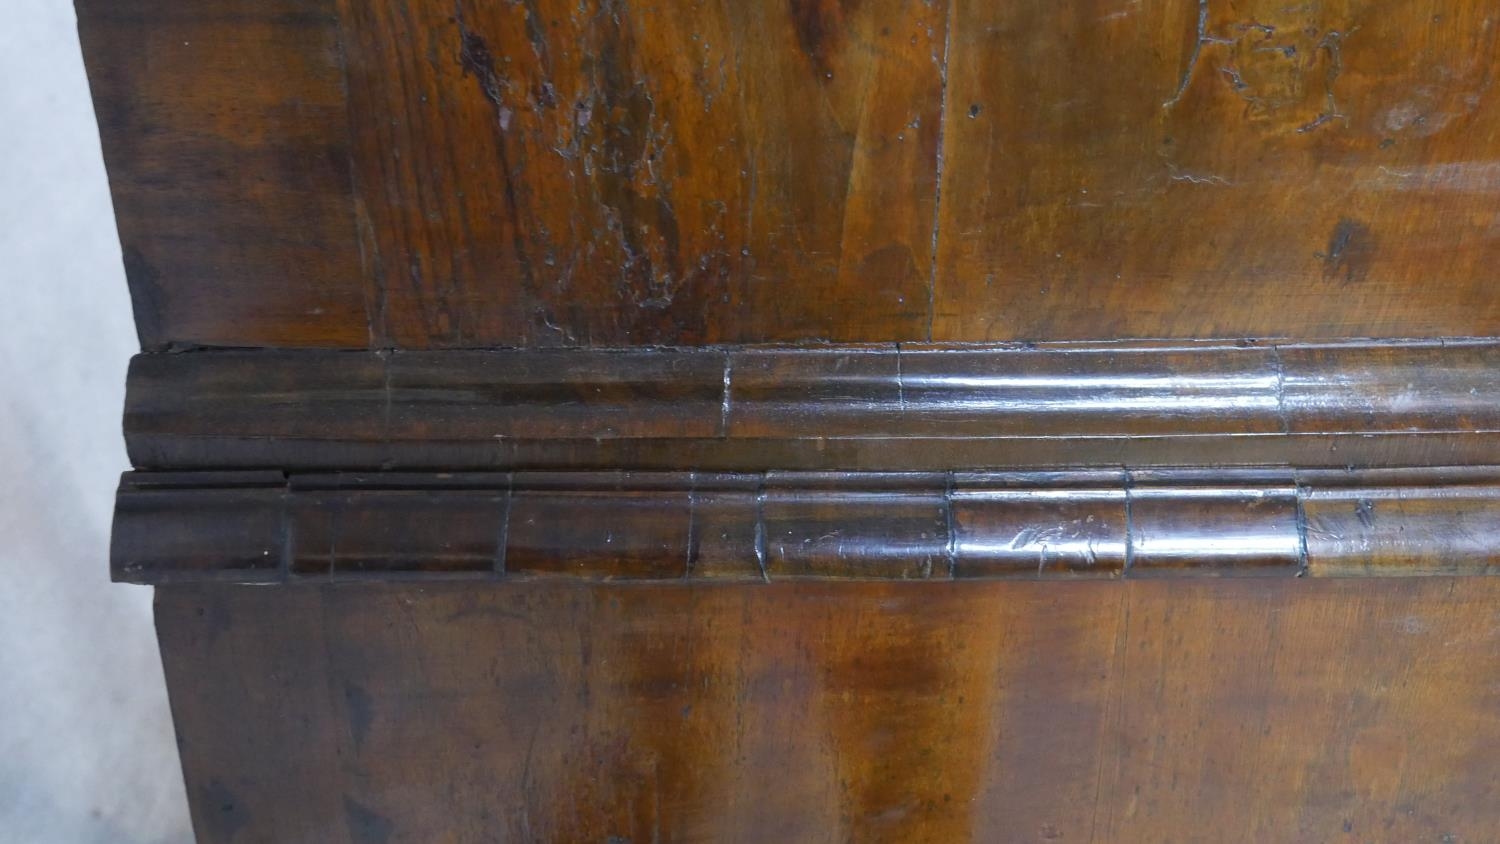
1190, 168
431, 175
607, 173
226, 137
1249, 710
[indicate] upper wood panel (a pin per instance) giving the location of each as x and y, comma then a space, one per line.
1211, 168
428, 174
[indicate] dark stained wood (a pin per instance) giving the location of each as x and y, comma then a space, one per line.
226, 136
553, 394
371, 532
727, 519
1281, 710
1191, 168
604, 526
665, 526
230, 526
898, 454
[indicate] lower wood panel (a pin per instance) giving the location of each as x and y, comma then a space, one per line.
1254, 710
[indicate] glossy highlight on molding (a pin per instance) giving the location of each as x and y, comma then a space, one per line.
895, 407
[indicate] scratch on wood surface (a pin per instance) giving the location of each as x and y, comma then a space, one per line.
937, 199
1198, 41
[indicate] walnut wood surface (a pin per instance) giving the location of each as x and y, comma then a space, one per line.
225, 132
1236, 711
428, 174
762, 307
1211, 168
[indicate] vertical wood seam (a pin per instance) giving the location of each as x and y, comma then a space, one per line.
504, 537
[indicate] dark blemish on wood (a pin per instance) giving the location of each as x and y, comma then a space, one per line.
476, 59
365, 825
545, 94
212, 621
633, 187
1351, 250
224, 816
973, 111
147, 298
534, 32
819, 24
360, 713
1365, 511
542, 93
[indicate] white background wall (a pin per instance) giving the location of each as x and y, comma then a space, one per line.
86, 748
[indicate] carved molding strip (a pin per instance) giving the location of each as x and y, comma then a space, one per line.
848, 408
266, 527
